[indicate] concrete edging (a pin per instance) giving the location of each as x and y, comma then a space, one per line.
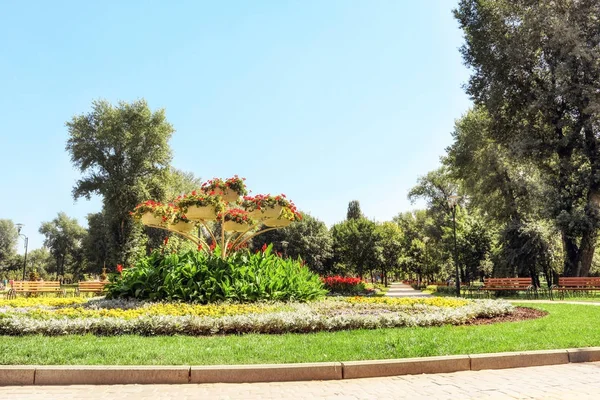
20, 375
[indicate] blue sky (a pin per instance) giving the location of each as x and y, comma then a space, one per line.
326, 101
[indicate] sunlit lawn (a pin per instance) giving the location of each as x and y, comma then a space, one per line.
566, 326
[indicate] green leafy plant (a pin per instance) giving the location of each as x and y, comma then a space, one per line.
202, 277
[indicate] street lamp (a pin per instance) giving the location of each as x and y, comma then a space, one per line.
19, 227
425, 240
284, 246
452, 202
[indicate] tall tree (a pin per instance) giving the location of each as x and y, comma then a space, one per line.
354, 242
354, 211
124, 153
95, 244
507, 190
64, 238
535, 68
308, 239
390, 248
8, 241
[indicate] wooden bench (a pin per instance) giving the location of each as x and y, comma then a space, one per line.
576, 284
96, 287
34, 287
508, 284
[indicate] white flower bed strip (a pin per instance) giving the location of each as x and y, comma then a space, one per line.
302, 320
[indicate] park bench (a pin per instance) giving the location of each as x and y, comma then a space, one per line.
508, 285
96, 287
35, 287
576, 284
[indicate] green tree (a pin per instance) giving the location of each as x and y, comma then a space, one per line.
507, 192
308, 239
354, 245
41, 261
8, 241
179, 182
64, 238
124, 153
354, 211
390, 248
95, 244
535, 69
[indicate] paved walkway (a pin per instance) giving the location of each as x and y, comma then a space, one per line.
398, 289
566, 381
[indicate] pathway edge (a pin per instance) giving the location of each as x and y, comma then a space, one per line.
24, 375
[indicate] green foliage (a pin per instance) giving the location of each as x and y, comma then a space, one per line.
535, 71
63, 237
354, 211
124, 154
95, 244
354, 243
308, 239
8, 241
201, 277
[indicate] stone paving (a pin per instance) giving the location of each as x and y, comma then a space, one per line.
398, 289
566, 381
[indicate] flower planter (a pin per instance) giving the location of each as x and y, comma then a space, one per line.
195, 213
235, 227
151, 219
276, 222
266, 212
183, 227
228, 195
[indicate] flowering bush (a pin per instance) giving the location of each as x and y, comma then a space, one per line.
236, 215
199, 199
343, 285
218, 185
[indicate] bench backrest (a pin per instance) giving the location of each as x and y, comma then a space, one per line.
35, 285
507, 282
92, 285
579, 281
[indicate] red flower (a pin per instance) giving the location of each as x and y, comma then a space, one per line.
120, 268
264, 248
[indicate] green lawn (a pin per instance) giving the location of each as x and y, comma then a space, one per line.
566, 326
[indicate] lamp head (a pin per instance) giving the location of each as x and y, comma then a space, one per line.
453, 200
19, 227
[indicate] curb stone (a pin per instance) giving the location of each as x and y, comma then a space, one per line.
21, 375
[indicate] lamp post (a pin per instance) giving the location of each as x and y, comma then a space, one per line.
284, 246
19, 227
452, 202
426, 240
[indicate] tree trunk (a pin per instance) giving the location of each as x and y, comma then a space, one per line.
586, 253
571, 255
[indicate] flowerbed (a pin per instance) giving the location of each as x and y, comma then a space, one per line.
115, 317
343, 285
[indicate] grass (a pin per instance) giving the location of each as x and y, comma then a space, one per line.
566, 326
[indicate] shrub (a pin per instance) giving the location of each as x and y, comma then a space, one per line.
343, 285
201, 277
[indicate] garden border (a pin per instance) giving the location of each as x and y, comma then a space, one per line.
19, 375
